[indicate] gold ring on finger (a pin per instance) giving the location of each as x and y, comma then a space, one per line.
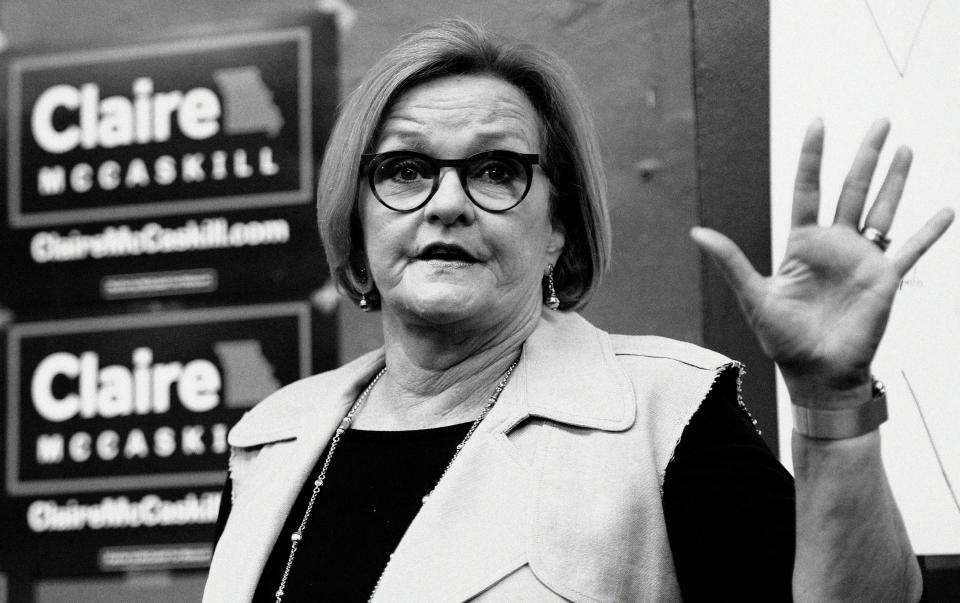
876, 237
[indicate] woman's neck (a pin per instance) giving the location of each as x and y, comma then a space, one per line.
438, 377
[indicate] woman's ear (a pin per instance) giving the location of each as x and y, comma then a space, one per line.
557, 240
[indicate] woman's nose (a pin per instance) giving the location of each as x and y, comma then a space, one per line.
450, 204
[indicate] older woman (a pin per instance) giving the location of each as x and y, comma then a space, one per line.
499, 447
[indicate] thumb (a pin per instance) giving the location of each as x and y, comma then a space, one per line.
742, 278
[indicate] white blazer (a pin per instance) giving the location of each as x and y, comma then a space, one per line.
557, 496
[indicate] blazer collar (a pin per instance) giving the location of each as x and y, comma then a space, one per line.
572, 375
568, 373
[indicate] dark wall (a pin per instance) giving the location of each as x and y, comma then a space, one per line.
732, 83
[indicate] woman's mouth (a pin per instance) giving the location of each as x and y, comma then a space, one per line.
446, 252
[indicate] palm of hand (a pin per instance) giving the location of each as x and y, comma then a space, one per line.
821, 316
825, 309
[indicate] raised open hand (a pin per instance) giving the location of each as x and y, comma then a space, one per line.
821, 316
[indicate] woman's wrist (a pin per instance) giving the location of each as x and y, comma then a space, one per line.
830, 393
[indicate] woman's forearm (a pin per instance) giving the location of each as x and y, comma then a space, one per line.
851, 541
820, 317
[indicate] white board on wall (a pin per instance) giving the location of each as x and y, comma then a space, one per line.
850, 62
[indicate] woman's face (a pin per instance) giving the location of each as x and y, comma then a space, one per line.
451, 261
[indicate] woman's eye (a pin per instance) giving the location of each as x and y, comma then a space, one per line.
407, 173
403, 171
496, 172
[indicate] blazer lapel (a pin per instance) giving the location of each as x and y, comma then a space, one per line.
475, 527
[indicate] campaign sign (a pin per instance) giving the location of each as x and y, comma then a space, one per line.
135, 163
142, 401
114, 431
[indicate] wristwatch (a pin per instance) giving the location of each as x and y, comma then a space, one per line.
843, 423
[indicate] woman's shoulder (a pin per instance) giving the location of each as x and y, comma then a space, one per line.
674, 374
569, 332
658, 369
654, 347
671, 379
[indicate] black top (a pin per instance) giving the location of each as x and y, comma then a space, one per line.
729, 508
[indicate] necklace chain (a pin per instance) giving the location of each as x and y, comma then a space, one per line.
297, 536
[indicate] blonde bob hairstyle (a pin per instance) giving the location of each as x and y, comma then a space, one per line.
570, 155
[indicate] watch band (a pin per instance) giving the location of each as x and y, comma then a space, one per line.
844, 422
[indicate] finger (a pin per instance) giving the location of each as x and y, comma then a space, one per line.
854, 192
743, 279
806, 190
920, 242
885, 207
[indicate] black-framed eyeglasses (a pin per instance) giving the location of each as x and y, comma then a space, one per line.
494, 181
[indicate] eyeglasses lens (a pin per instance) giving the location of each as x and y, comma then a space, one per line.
496, 183
404, 182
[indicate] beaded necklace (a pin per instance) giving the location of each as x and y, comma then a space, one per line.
297, 536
